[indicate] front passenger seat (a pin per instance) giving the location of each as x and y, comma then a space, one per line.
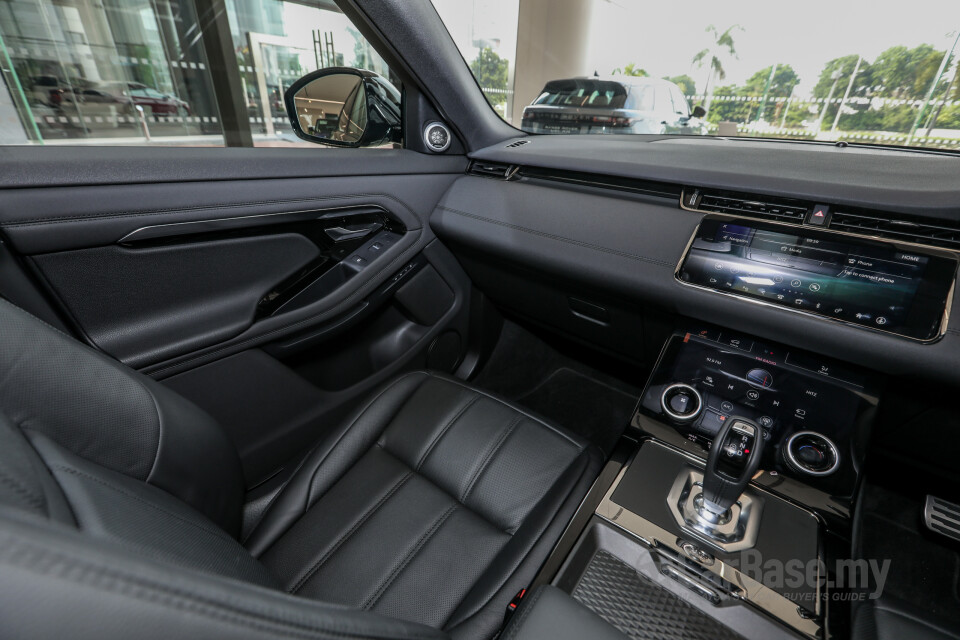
432, 505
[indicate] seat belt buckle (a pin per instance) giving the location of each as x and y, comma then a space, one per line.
512, 607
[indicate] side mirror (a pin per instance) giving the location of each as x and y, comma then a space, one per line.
698, 112
344, 107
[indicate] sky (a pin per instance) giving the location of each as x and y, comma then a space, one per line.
662, 37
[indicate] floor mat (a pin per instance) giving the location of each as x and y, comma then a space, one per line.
924, 567
525, 369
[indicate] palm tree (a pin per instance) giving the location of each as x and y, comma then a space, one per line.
631, 70
714, 55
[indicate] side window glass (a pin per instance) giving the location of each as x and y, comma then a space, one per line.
132, 72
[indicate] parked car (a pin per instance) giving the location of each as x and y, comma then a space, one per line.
104, 98
153, 100
45, 90
612, 105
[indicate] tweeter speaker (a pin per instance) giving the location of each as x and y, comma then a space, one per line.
437, 137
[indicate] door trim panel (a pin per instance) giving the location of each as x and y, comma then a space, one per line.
152, 232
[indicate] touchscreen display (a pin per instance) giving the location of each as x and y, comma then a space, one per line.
873, 284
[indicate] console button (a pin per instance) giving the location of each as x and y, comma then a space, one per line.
707, 334
736, 342
819, 216
710, 423
681, 402
812, 453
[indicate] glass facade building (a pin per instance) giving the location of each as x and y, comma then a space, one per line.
142, 71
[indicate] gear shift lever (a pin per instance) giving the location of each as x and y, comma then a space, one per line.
734, 457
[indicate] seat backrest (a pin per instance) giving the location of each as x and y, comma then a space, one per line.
118, 501
71, 401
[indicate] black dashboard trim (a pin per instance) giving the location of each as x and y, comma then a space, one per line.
898, 181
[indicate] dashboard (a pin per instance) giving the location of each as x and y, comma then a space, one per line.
882, 286
534, 242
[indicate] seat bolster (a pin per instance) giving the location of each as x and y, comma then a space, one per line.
196, 461
115, 417
330, 459
53, 579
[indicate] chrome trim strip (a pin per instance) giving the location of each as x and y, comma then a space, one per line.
153, 231
799, 467
750, 590
745, 515
935, 251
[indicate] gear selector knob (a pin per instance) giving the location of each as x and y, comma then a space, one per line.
734, 458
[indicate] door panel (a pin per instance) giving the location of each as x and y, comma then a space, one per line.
151, 303
71, 237
275, 304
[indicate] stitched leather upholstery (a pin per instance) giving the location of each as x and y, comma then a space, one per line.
423, 505
431, 506
50, 384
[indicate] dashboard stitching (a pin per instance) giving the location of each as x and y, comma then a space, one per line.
544, 234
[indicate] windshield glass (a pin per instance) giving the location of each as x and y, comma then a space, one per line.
829, 70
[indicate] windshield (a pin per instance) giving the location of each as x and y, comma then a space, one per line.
829, 70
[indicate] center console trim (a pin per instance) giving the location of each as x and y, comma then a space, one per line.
749, 589
944, 321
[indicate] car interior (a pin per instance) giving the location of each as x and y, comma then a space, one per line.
473, 383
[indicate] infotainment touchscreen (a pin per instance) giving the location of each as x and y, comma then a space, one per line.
875, 284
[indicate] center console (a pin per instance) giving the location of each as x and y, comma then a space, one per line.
812, 411
725, 520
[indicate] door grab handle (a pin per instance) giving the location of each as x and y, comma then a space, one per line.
343, 234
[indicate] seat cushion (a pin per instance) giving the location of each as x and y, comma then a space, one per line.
435, 503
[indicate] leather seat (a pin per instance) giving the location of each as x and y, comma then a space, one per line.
428, 509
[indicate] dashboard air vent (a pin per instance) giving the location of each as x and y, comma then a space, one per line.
490, 169
939, 233
734, 204
518, 143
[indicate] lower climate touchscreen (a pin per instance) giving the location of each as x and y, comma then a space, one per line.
874, 284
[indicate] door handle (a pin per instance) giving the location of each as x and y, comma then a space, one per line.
352, 232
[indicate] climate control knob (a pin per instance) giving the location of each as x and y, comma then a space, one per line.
812, 453
681, 402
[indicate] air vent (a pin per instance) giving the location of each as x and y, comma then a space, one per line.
939, 233
490, 169
768, 209
942, 517
518, 143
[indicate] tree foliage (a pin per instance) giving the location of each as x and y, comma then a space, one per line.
785, 79
685, 82
747, 107
631, 70
491, 72
722, 48
898, 73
